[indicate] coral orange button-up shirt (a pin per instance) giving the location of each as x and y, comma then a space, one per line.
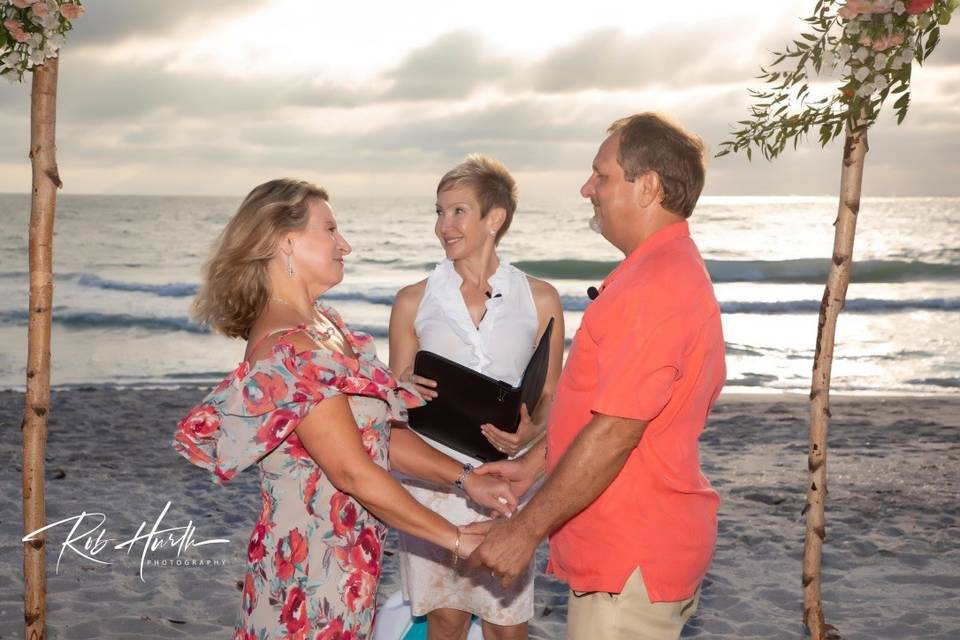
650, 347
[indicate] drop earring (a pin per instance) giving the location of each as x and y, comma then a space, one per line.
290, 264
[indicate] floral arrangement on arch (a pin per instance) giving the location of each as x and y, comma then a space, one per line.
870, 44
32, 32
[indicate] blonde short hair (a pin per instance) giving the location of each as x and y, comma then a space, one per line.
492, 184
235, 282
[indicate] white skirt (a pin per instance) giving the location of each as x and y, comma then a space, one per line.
430, 582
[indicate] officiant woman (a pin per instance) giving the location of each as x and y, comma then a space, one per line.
479, 311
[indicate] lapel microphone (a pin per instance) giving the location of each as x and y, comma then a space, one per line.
592, 293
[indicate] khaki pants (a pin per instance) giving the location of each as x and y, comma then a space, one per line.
628, 615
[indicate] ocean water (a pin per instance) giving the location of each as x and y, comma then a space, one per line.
126, 268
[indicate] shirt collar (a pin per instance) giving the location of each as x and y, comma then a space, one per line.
663, 236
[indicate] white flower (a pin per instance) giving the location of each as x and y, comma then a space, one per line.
844, 52
12, 78
829, 61
862, 54
880, 61
924, 20
57, 39
883, 5
853, 27
12, 60
50, 50
36, 57
861, 74
896, 64
888, 21
880, 83
50, 21
899, 8
865, 90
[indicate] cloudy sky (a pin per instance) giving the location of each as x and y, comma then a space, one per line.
185, 97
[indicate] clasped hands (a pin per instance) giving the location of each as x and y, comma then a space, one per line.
503, 545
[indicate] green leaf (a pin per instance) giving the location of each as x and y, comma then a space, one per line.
932, 42
902, 101
809, 36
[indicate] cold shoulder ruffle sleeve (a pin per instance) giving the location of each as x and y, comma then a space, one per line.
257, 407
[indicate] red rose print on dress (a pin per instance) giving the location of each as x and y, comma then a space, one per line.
255, 548
343, 514
333, 630
361, 587
278, 425
294, 613
262, 392
291, 551
295, 449
202, 422
249, 599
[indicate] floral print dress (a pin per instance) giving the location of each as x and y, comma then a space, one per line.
313, 558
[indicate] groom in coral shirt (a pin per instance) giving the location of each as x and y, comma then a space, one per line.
631, 517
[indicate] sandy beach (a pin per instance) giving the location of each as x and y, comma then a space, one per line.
891, 564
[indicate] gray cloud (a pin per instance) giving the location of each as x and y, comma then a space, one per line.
115, 116
106, 22
452, 66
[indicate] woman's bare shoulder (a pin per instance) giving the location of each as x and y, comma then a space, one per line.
410, 295
543, 292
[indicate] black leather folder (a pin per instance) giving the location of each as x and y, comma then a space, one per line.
467, 399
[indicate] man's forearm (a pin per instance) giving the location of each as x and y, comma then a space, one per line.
588, 467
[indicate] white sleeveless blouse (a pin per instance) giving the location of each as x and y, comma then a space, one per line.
500, 348
502, 345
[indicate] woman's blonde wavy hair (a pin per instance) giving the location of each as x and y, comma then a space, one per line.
235, 283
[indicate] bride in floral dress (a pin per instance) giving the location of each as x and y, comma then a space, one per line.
311, 406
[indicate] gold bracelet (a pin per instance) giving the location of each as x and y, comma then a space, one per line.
456, 550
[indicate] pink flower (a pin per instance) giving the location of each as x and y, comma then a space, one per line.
41, 10
884, 43
16, 30
23, 4
71, 11
853, 8
918, 6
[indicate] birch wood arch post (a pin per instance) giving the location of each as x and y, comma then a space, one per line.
31, 34
46, 181
834, 295
873, 44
